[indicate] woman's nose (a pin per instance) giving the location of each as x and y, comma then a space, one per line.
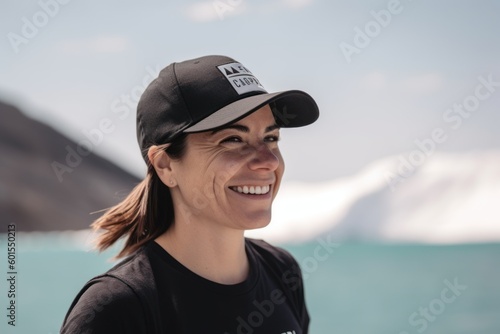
264, 158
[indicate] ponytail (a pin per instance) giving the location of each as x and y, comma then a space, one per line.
145, 214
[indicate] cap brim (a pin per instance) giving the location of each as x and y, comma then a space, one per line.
293, 108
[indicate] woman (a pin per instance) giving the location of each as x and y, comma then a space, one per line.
209, 132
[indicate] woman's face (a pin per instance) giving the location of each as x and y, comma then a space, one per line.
230, 177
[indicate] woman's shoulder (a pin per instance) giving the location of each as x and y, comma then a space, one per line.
114, 301
105, 304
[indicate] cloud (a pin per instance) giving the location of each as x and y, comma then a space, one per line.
209, 11
374, 81
96, 45
412, 85
423, 84
296, 4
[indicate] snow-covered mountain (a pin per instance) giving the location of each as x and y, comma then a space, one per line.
450, 198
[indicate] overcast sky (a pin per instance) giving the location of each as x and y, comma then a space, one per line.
385, 73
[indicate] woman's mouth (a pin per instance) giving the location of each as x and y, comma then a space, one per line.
252, 190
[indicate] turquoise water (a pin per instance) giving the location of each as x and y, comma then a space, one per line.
369, 288
350, 287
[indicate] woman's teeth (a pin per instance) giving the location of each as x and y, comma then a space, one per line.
253, 190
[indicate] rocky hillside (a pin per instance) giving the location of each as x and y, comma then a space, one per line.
48, 182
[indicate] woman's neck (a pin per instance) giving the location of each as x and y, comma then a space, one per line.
215, 254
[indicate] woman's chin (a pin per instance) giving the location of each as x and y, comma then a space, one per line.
256, 222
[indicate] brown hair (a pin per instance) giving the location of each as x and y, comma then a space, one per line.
145, 213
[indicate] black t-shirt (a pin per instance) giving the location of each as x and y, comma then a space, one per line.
151, 292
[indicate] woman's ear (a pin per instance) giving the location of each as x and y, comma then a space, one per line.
162, 164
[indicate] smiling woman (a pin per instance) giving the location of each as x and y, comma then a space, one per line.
209, 132
229, 168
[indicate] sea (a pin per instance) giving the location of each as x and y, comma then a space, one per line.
351, 287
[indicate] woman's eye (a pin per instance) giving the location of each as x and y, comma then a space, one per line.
236, 139
272, 138
232, 140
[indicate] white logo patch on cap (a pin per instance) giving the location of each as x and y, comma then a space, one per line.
242, 80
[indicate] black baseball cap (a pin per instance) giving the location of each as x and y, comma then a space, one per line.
208, 93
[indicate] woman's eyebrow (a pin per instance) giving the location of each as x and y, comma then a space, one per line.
244, 128
272, 127
237, 127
